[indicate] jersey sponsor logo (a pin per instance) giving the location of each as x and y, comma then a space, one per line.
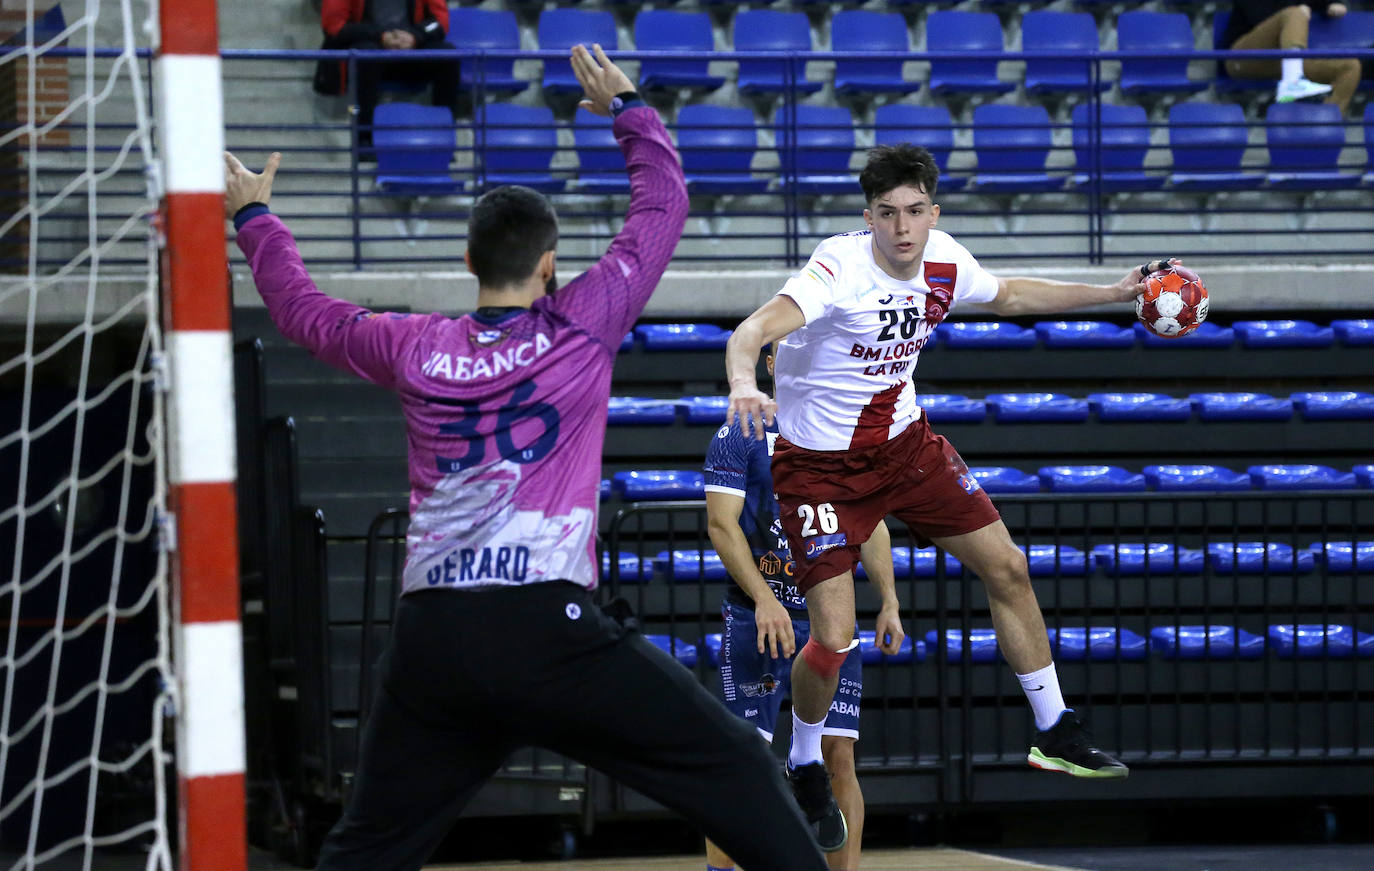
822, 543
723, 431
894, 299
941, 279
452, 367
481, 564
848, 709
770, 565
487, 338
970, 484
764, 686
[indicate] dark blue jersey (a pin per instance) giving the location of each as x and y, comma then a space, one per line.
740, 465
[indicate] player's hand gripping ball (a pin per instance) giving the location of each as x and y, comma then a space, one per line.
1174, 302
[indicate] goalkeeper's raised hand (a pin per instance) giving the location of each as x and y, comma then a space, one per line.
599, 78
243, 186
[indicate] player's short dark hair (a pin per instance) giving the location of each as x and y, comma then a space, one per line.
892, 166
510, 229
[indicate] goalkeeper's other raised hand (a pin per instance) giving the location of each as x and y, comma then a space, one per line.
600, 78
243, 186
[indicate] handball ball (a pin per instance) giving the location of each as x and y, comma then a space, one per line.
1174, 302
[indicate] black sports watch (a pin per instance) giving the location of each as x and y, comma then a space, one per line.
625, 100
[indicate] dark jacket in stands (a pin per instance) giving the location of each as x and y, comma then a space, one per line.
346, 26
1246, 15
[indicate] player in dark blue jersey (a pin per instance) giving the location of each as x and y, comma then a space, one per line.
766, 622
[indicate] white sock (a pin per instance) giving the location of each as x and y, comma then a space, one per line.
1292, 69
1046, 699
806, 742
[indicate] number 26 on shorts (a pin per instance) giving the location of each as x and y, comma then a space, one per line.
822, 515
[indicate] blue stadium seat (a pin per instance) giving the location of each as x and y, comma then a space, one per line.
515, 145
701, 410
1305, 142
1196, 478
927, 126
666, 30
710, 648
561, 29
1224, 84
658, 484
1335, 405
952, 31
1139, 407
825, 142
920, 563
1091, 479
641, 411
1249, 557
1369, 142
982, 644
1199, 642
1300, 476
1164, 34
605, 489
682, 337
631, 567
986, 334
952, 408
1134, 558
1096, 643
717, 144
1004, 479
1084, 334
1284, 334
1354, 29
691, 565
1345, 556
861, 30
1207, 335
907, 651
1207, 141
487, 29
1012, 144
414, 146
1242, 406
1051, 560
601, 164
1319, 641
1354, 332
1043, 30
1124, 134
1033, 407
1364, 474
678, 649
627, 343
770, 30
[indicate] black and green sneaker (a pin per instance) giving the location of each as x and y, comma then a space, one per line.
1067, 746
811, 786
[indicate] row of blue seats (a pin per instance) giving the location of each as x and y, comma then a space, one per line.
1012, 144
1277, 333
1050, 408
1169, 36
1050, 560
660, 484
1096, 643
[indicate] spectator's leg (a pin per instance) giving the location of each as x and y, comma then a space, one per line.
369, 74
1277, 31
443, 74
1342, 74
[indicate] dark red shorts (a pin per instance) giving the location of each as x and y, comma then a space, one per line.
831, 500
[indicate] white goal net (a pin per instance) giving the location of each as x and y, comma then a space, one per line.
85, 742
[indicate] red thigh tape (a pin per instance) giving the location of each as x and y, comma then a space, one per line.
825, 663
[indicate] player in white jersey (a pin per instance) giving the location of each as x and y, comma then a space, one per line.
855, 446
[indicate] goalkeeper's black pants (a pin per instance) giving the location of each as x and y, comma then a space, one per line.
470, 676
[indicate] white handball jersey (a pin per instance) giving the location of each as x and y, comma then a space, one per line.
843, 381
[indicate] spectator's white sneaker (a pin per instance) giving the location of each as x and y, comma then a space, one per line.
1300, 89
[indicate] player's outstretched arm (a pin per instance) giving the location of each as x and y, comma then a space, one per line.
773, 320
876, 555
1034, 296
723, 511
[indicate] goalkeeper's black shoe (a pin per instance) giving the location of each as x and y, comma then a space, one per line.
1067, 746
811, 786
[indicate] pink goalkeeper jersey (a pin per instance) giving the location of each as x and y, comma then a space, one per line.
505, 416
843, 381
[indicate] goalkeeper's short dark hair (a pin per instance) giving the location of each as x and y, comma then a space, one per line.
892, 166
510, 229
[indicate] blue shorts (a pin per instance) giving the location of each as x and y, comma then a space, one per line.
753, 684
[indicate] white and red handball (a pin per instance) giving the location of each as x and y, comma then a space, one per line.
1174, 302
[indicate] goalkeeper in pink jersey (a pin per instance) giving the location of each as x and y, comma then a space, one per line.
855, 447
497, 642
